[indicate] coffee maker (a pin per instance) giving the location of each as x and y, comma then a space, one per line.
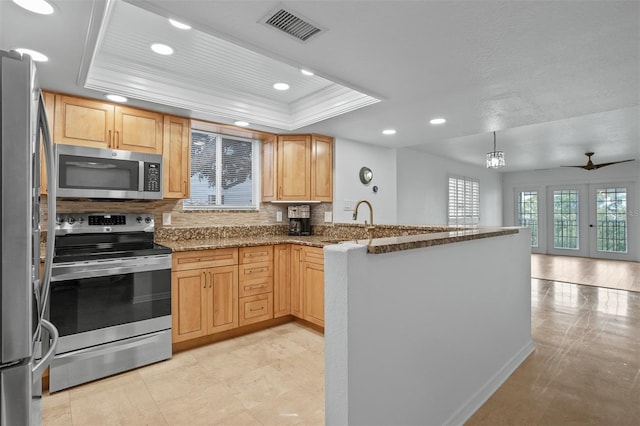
299, 220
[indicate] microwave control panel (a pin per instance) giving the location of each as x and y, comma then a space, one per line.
152, 177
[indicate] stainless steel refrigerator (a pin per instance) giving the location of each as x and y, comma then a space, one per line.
23, 292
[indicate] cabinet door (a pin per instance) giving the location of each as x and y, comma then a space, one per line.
138, 130
269, 167
176, 155
322, 168
313, 291
83, 122
222, 309
189, 304
281, 280
294, 167
296, 281
49, 105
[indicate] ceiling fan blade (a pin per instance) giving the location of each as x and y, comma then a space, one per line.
611, 163
577, 167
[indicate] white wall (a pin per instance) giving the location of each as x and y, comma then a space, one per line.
423, 188
349, 158
542, 179
411, 337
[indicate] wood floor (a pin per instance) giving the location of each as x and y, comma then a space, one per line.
615, 274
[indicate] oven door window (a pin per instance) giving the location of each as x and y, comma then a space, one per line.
92, 303
97, 173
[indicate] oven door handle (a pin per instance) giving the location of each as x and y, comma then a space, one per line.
102, 268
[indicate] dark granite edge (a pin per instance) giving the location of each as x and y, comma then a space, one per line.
437, 240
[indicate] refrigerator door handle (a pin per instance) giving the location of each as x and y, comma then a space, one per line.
39, 368
51, 204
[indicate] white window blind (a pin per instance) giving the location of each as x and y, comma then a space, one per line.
464, 201
223, 172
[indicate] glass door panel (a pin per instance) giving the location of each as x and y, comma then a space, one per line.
568, 220
609, 224
527, 214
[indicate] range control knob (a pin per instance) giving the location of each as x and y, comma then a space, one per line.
80, 219
70, 220
147, 219
59, 220
139, 219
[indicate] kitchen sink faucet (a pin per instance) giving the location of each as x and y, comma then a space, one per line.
371, 228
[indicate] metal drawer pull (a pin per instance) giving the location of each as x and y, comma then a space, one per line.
252, 271
251, 287
252, 310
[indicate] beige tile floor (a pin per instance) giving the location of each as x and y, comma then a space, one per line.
585, 371
273, 377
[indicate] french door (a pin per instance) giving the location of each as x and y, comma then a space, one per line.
591, 220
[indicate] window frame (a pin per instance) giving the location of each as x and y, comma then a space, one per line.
256, 176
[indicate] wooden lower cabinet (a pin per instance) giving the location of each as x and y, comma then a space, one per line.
204, 297
281, 280
296, 281
313, 290
256, 308
307, 283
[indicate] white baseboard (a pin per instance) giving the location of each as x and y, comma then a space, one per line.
467, 409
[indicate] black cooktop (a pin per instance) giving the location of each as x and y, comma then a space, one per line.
83, 247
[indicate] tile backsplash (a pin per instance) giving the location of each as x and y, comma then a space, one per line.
266, 215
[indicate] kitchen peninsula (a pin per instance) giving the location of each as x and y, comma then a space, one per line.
423, 329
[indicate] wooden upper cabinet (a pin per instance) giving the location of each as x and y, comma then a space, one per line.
176, 154
321, 168
83, 122
87, 122
294, 167
297, 168
138, 130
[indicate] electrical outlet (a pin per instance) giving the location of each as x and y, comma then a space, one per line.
328, 217
349, 205
166, 218
278, 216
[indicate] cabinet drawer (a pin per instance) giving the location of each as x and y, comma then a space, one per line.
204, 259
256, 286
256, 308
256, 254
252, 271
313, 255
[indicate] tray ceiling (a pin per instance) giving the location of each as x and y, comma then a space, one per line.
208, 74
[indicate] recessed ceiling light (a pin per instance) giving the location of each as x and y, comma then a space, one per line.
241, 123
305, 72
161, 49
389, 132
281, 86
438, 121
36, 56
179, 24
36, 6
116, 98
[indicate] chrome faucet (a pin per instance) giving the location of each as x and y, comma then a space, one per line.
371, 228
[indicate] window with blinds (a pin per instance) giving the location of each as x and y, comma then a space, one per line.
464, 201
224, 172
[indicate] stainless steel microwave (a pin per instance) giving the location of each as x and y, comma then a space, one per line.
85, 172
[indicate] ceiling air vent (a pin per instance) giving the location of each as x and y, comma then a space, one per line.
293, 24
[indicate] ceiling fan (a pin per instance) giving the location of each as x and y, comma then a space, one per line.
591, 166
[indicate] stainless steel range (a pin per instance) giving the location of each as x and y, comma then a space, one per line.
110, 297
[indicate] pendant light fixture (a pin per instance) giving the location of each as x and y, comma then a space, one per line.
495, 159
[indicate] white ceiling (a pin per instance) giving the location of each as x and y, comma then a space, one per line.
554, 79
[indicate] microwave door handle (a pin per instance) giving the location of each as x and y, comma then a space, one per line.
141, 176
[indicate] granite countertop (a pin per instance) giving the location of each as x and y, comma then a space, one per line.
216, 243
375, 246
409, 237
408, 242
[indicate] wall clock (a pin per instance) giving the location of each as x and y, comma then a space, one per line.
366, 175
